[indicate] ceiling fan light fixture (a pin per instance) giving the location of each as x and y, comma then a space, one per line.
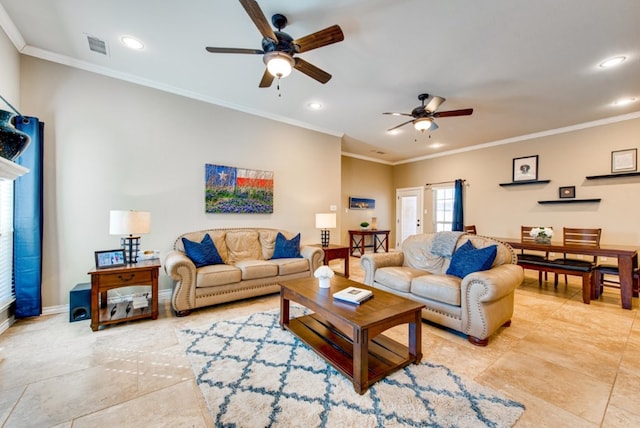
422, 124
612, 62
279, 64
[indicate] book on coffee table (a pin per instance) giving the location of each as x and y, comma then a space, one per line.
353, 295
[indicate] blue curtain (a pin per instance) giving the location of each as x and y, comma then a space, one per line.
458, 216
27, 217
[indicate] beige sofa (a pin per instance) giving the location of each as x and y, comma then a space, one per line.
477, 304
248, 268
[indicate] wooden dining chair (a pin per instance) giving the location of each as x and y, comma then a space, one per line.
599, 280
585, 237
471, 229
529, 257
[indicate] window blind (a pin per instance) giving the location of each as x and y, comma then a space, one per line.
6, 242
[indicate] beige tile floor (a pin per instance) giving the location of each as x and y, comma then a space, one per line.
571, 364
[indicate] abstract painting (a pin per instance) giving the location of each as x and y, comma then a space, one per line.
238, 190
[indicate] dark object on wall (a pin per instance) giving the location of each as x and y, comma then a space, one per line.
80, 302
525, 168
12, 141
361, 203
567, 192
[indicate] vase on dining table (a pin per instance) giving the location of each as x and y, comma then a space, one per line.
543, 240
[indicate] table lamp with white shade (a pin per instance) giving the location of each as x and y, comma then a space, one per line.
324, 222
132, 223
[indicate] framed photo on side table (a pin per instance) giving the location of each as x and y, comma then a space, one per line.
525, 168
624, 160
110, 258
567, 192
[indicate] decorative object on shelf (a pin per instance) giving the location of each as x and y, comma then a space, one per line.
361, 203
324, 274
324, 222
237, 190
12, 141
129, 223
109, 258
364, 225
525, 168
624, 160
374, 223
542, 235
567, 192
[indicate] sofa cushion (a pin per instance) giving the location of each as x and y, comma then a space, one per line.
468, 259
397, 277
202, 253
214, 275
441, 288
291, 266
287, 248
243, 245
254, 269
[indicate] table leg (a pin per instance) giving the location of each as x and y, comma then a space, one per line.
95, 310
154, 294
284, 310
361, 361
625, 270
346, 265
415, 338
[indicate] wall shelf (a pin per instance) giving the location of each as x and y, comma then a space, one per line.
520, 183
620, 174
570, 201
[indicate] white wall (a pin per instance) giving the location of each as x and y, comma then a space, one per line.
110, 144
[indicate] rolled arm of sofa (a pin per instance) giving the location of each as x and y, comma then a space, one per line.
315, 256
487, 299
371, 262
181, 269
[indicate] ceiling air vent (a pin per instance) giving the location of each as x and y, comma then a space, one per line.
97, 45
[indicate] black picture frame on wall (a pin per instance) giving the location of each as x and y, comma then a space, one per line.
525, 168
110, 258
624, 160
567, 192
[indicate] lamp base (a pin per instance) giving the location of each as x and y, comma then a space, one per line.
131, 245
324, 237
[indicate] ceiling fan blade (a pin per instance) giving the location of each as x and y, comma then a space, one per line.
267, 79
311, 70
451, 113
398, 126
234, 50
258, 18
434, 104
397, 114
320, 38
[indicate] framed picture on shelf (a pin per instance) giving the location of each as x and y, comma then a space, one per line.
109, 258
624, 160
567, 192
525, 168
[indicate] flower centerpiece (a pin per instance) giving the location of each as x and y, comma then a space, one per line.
542, 235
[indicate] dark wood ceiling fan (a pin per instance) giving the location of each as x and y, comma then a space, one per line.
423, 115
280, 46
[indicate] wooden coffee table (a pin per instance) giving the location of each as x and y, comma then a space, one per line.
349, 336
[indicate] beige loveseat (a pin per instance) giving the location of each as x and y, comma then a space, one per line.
477, 304
248, 269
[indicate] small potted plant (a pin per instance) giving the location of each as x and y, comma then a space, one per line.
364, 225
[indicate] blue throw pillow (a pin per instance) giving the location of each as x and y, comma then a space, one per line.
468, 259
287, 248
204, 253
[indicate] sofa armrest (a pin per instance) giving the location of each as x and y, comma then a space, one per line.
181, 269
315, 255
498, 281
371, 262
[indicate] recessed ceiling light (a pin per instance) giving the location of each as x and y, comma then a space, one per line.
612, 62
624, 101
436, 145
394, 131
314, 105
132, 42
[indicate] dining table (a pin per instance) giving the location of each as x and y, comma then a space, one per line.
627, 256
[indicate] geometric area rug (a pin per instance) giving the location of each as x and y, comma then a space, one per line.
254, 374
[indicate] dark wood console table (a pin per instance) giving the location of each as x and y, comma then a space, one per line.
379, 241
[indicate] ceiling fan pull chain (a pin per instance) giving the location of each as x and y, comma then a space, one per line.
278, 87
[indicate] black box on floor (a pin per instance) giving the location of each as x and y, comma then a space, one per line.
80, 302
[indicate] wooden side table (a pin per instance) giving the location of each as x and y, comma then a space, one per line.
102, 280
336, 252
